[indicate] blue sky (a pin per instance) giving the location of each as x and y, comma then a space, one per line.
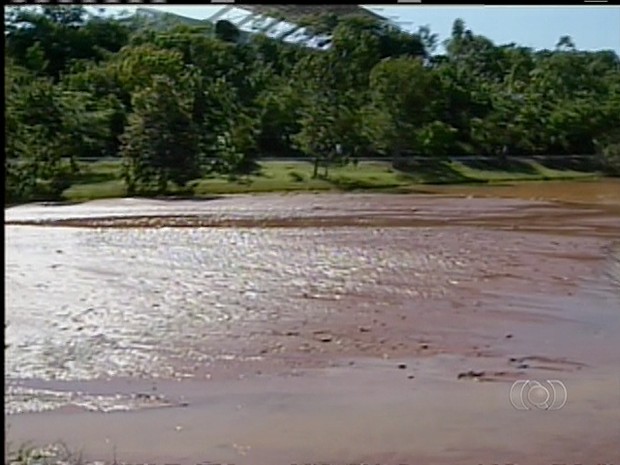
591, 27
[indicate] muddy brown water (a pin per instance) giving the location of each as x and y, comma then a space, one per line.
318, 328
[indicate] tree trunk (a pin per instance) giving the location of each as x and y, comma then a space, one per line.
162, 184
316, 168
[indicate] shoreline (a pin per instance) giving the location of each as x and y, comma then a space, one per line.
488, 189
101, 180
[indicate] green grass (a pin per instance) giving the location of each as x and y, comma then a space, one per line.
526, 170
99, 180
91, 191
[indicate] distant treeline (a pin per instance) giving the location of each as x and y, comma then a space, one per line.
176, 101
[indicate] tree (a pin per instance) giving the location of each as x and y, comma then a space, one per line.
159, 144
176, 97
36, 126
435, 139
60, 35
279, 118
402, 91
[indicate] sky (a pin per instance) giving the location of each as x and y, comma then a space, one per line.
591, 27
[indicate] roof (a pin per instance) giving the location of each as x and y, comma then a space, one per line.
267, 20
297, 12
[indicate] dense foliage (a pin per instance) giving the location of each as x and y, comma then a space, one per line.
178, 101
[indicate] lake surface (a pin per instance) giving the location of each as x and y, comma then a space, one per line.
150, 308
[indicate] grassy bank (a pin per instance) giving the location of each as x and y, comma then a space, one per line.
102, 179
